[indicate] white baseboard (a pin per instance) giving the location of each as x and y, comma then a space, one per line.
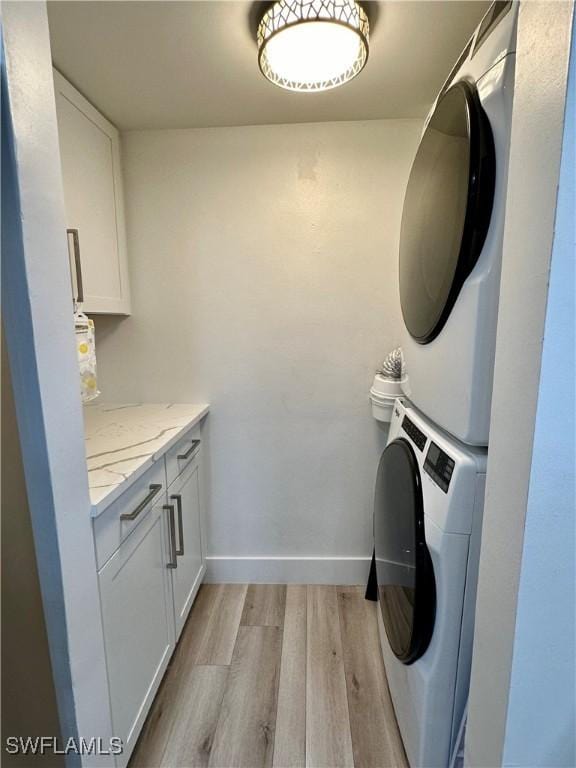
287, 570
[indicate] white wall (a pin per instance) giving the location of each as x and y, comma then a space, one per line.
264, 279
516, 450
542, 701
39, 335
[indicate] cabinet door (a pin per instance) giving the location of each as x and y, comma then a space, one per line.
91, 174
136, 599
184, 494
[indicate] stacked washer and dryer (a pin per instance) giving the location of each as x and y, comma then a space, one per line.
430, 484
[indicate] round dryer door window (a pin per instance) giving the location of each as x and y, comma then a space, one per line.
447, 210
406, 585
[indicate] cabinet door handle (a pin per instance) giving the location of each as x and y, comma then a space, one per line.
178, 498
172, 534
154, 490
77, 264
190, 451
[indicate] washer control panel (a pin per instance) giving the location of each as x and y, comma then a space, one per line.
439, 466
417, 437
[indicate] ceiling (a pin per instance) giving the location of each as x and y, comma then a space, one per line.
191, 64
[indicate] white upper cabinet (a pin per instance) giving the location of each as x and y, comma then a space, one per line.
91, 172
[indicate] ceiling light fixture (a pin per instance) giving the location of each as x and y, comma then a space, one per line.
312, 45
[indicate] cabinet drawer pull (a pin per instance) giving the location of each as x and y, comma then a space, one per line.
172, 563
154, 490
190, 451
178, 498
77, 264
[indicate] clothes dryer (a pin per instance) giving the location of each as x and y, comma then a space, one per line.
451, 234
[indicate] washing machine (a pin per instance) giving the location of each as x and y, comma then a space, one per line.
451, 234
427, 524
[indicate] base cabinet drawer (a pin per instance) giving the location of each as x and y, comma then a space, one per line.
137, 613
128, 512
184, 496
183, 454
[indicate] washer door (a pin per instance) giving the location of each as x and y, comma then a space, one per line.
447, 210
406, 585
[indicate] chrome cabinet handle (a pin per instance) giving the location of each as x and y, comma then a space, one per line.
190, 451
172, 563
77, 264
178, 498
154, 490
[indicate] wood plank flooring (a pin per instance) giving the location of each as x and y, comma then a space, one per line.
328, 736
290, 736
269, 675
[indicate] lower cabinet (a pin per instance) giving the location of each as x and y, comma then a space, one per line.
184, 496
151, 551
137, 613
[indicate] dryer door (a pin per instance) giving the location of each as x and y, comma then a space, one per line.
447, 210
406, 585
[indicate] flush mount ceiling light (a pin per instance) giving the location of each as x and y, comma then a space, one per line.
312, 45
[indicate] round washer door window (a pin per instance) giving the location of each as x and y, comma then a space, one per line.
406, 585
447, 210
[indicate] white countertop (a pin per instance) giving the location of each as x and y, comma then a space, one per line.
122, 442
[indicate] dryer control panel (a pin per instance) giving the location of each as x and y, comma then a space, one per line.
439, 466
417, 437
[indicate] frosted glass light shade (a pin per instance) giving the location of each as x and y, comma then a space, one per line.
313, 45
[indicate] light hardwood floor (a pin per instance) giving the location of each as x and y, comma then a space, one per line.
269, 675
